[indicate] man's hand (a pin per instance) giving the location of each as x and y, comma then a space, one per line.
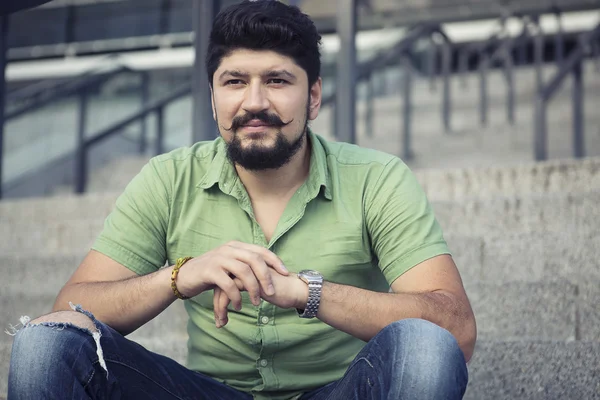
251, 265
290, 292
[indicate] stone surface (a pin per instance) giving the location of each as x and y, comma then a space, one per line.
49, 237
38, 274
467, 253
524, 311
5, 349
569, 214
534, 371
58, 208
511, 180
587, 314
566, 213
531, 257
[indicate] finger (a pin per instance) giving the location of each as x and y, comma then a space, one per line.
268, 256
220, 303
258, 267
217, 311
245, 273
226, 284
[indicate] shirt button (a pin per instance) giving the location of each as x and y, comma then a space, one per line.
264, 320
264, 363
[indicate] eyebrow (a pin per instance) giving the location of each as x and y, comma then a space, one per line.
269, 74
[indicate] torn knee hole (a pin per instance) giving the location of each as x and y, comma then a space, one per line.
67, 317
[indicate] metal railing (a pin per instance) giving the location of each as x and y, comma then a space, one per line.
42, 88
499, 47
44, 94
400, 54
85, 144
572, 65
68, 89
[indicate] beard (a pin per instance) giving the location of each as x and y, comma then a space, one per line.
257, 157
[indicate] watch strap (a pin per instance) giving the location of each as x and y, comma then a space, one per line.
314, 300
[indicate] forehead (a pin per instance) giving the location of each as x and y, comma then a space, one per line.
258, 61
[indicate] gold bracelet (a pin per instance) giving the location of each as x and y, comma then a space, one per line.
178, 265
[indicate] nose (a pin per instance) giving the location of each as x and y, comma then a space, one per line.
255, 98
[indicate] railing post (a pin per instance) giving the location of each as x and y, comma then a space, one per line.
407, 112
447, 65
523, 51
539, 57
369, 112
432, 65
3, 62
559, 42
578, 112
160, 129
483, 100
463, 67
596, 52
510, 87
540, 145
81, 155
346, 71
203, 125
144, 97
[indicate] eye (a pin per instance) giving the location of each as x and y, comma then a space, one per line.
277, 81
233, 82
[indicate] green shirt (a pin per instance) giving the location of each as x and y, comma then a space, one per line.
360, 218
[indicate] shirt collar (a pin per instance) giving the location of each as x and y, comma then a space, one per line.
221, 170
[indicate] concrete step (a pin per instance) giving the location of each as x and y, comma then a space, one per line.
557, 212
500, 257
503, 370
546, 310
552, 176
519, 179
60, 208
527, 257
525, 311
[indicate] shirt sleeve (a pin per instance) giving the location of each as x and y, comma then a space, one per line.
402, 226
134, 234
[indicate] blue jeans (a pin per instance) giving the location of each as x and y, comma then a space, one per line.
408, 359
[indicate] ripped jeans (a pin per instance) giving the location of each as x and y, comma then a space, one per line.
408, 359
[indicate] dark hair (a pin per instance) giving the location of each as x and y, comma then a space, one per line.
265, 25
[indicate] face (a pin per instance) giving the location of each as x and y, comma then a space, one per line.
262, 105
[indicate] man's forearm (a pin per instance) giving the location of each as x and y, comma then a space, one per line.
123, 305
363, 313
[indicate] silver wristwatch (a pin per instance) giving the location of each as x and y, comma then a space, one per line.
314, 280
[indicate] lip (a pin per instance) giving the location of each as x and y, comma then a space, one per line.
253, 129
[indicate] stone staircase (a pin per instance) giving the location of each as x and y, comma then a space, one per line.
524, 236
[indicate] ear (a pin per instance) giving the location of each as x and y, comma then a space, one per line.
316, 93
212, 102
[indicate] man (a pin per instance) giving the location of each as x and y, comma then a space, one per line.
256, 209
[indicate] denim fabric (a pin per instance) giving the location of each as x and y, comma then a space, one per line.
409, 359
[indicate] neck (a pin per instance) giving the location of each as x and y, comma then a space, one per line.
278, 183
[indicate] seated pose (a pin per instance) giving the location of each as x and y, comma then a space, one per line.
309, 269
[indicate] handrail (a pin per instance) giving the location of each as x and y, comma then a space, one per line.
84, 145
40, 87
573, 64
76, 88
387, 56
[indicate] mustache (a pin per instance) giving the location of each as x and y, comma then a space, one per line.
263, 116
